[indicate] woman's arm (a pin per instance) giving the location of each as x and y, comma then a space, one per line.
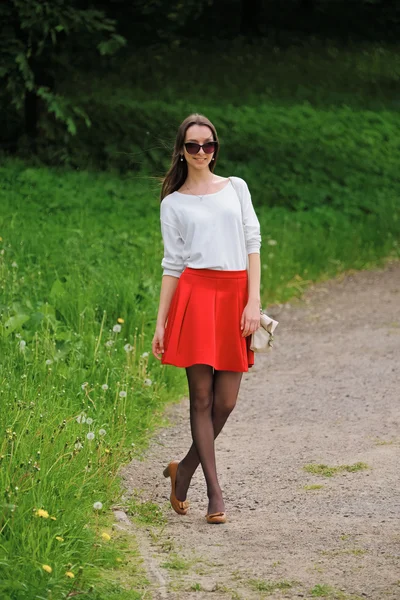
254, 278
168, 287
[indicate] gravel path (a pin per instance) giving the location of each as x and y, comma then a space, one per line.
328, 393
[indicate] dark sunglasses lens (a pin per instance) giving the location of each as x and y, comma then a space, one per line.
209, 147
192, 147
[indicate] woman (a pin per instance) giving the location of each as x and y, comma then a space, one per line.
210, 293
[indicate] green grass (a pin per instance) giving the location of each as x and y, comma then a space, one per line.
176, 563
329, 471
147, 513
321, 591
327, 591
260, 585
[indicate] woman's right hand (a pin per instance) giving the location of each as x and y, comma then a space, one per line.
157, 344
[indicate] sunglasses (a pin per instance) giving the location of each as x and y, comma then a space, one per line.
208, 147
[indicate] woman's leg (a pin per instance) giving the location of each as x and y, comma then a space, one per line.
225, 388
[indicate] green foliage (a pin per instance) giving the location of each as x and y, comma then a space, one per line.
327, 471
327, 139
33, 36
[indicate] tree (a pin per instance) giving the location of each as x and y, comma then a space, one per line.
33, 42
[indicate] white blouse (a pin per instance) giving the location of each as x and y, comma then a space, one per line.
217, 232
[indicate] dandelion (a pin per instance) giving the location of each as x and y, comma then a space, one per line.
14, 264
109, 343
69, 574
144, 355
122, 394
107, 450
272, 242
78, 446
42, 513
147, 381
49, 361
117, 328
47, 568
59, 538
84, 385
22, 345
118, 559
90, 435
89, 420
97, 505
102, 432
106, 537
128, 348
120, 320
81, 418
104, 387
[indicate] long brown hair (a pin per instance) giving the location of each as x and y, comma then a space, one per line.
177, 173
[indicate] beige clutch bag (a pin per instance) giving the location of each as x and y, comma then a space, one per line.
262, 339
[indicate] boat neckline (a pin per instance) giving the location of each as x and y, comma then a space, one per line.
206, 195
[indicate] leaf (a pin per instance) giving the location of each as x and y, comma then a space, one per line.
15, 323
57, 290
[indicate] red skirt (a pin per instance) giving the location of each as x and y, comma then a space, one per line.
203, 325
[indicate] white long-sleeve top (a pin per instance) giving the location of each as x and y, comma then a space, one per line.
218, 231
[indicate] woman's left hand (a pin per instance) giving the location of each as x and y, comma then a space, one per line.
250, 320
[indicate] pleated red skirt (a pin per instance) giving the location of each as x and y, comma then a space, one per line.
203, 325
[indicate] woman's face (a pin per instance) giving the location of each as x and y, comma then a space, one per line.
200, 134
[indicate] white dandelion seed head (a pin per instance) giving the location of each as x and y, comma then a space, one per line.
89, 420
90, 435
272, 242
22, 345
128, 348
49, 361
104, 386
81, 418
109, 343
97, 505
102, 432
147, 381
84, 385
117, 328
144, 355
122, 394
14, 264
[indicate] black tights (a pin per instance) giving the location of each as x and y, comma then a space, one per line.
212, 398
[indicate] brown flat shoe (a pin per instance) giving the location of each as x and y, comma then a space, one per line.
219, 517
179, 506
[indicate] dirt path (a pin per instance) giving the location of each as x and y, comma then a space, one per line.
327, 393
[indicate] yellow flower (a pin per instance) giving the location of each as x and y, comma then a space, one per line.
42, 513
47, 568
59, 538
118, 559
53, 518
106, 537
70, 574
107, 450
119, 320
